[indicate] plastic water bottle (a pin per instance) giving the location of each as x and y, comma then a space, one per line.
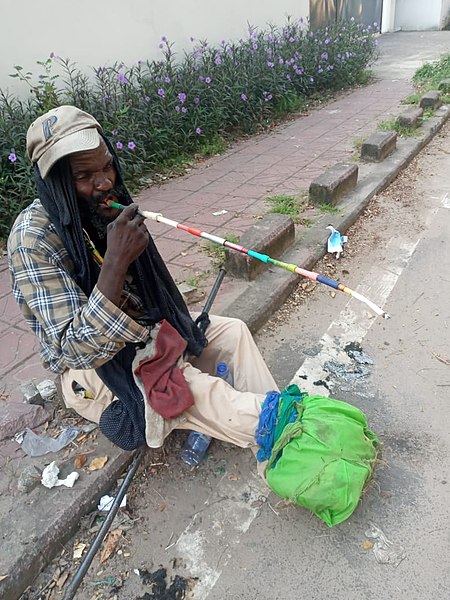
197, 444
195, 448
223, 372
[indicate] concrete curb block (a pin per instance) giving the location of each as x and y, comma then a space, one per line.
48, 517
272, 235
334, 184
265, 295
378, 146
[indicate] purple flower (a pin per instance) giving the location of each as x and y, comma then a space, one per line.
161, 45
131, 145
288, 77
139, 62
163, 38
122, 79
119, 145
192, 39
167, 79
270, 64
161, 93
52, 55
244, 97
198, 130
324, 56
217, 60
12, 157
280, 60
184, 109
196, 100
182, 97
147, 98
255, 46
269, 97
201, 78
327, 41
177, 108
330, 67
115, 132
320, 70
208, 80
106, 98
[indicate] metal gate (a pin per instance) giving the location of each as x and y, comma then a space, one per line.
325, 12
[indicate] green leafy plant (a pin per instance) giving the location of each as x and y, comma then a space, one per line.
429, 75
162, 114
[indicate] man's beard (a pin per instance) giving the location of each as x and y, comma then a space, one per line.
89, 210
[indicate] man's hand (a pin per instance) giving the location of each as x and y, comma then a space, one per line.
127, 238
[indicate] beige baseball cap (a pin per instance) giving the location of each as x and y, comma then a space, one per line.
59, 132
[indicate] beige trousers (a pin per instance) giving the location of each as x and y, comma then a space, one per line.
224, 412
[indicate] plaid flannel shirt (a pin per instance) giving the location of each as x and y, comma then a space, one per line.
74, 331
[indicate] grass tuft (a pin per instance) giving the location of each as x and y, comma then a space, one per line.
328, 208
402, 131
218, 253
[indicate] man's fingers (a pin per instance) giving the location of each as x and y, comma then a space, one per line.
131, 214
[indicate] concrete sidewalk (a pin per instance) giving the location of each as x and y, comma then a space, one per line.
240, 181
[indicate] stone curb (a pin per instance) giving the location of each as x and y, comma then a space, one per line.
35, 538
266, 294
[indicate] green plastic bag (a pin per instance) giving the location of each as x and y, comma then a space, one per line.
323, 460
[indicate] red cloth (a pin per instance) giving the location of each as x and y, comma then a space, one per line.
166, 389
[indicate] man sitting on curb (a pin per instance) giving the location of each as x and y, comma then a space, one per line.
94, 289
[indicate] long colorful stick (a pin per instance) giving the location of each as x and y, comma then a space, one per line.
262, 257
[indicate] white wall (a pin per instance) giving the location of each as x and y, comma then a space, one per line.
445, 15
99, 32
417, 15
388, 18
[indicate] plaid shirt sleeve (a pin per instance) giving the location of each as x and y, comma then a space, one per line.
74, 331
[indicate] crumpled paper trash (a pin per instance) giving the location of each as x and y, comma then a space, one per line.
106, 502
50, 477
47, 389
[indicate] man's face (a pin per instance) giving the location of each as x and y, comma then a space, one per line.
94, 177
